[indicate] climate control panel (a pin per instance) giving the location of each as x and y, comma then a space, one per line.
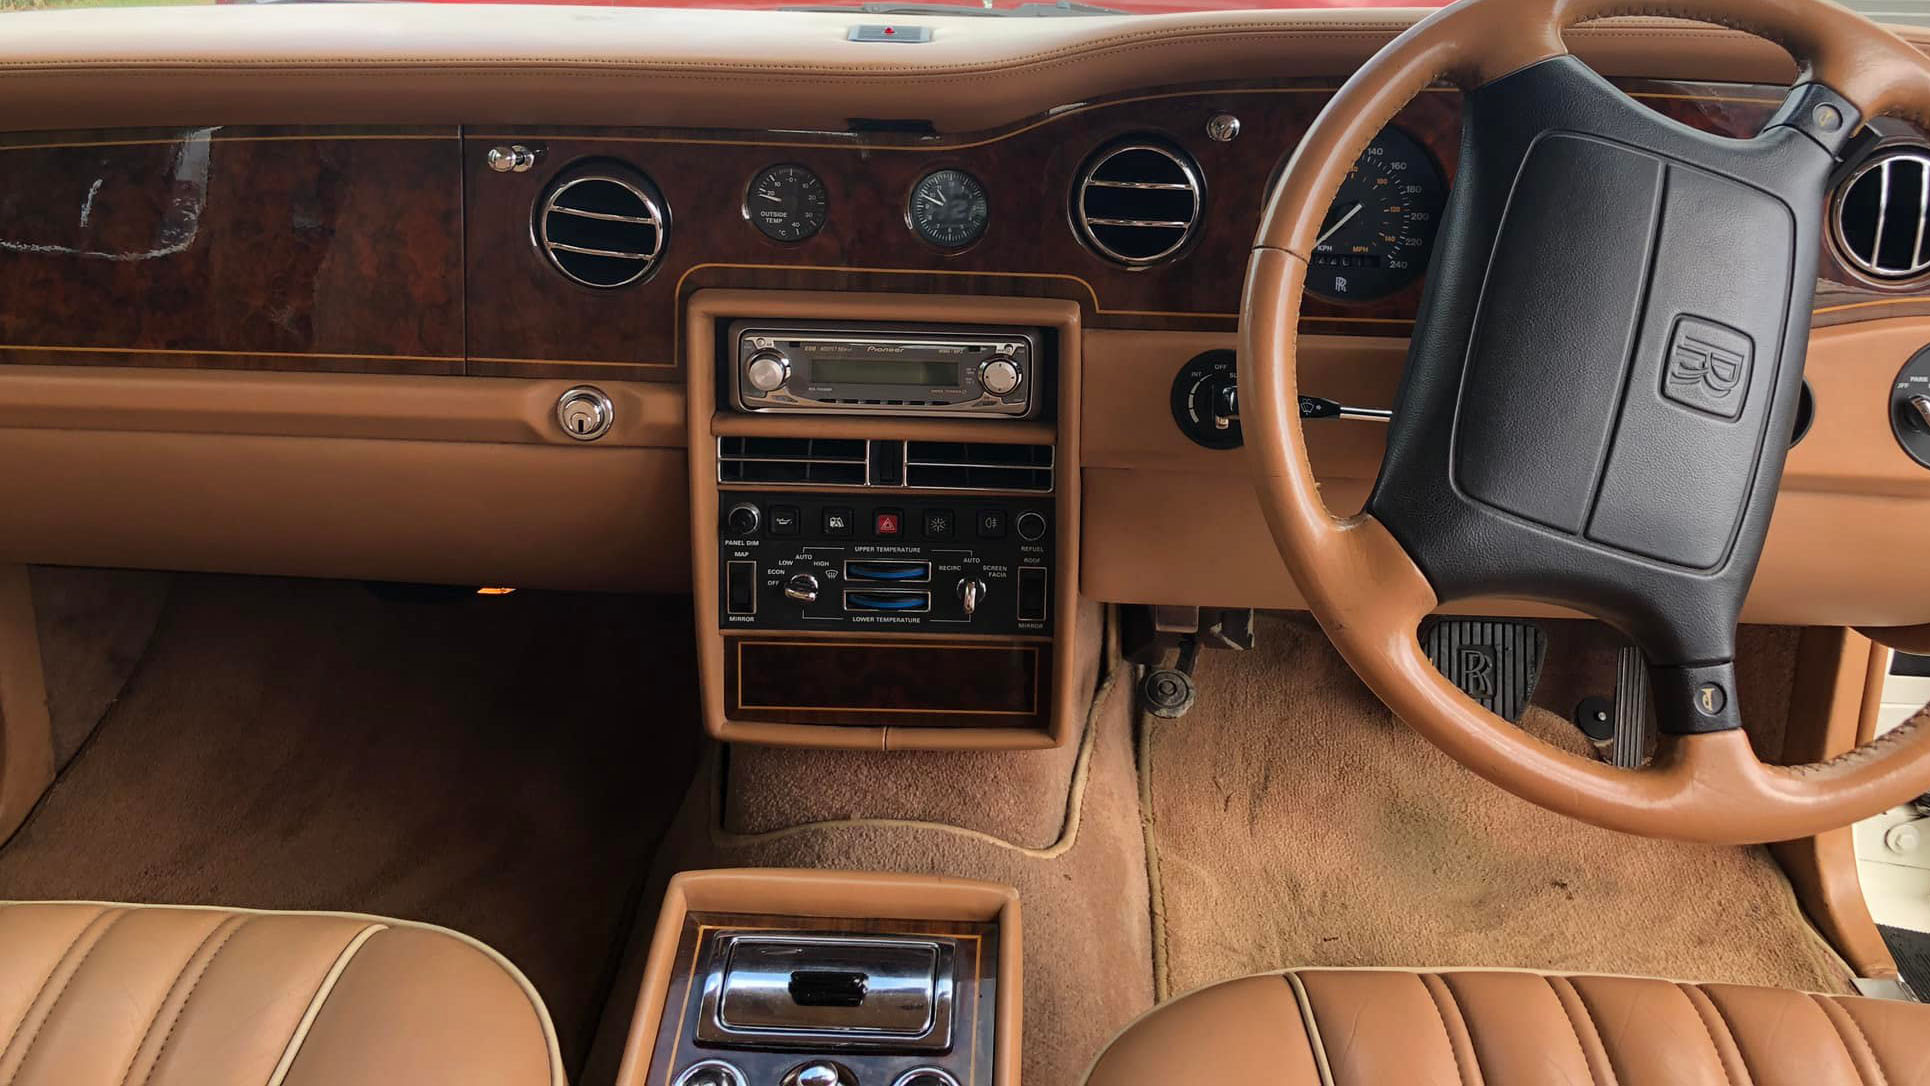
796, 561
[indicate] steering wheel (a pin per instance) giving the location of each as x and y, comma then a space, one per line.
1598, 397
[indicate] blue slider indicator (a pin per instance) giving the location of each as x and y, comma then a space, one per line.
881, 601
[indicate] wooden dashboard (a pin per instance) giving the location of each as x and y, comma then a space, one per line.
399, 251
335, 351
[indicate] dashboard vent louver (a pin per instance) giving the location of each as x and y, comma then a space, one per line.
976, 465
920, 465
602, 229
1881, 213
813, 460
1138, 202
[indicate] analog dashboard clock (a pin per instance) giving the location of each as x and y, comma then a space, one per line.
948, 209
1379, 231
786, 203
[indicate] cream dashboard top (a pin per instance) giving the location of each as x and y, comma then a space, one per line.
421, 64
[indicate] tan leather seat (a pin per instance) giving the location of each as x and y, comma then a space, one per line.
1353, 1027
135, 995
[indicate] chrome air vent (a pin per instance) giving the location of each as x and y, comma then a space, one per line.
1138, 202
602, 228
1880, 216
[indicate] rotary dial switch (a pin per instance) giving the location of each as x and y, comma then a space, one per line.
801, 588
1910, 407
744, 519
971, 593
999, 375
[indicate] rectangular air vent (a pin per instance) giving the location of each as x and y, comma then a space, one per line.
977, 465
806, 460
921, 465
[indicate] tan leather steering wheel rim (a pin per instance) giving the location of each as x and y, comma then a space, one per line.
1359, 582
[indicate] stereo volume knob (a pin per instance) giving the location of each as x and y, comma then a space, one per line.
999, 375
743, 519
767, 371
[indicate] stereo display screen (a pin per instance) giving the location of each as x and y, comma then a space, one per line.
921, 373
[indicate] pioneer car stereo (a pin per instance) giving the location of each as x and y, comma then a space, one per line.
894, 370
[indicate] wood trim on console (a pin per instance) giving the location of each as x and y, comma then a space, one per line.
834, 895
706, 311
894, 680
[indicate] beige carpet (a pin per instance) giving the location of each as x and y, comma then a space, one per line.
502, 766
94, 626
1017, 796
1082, 890
1294, 822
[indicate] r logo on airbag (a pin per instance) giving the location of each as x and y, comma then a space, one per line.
1708, 367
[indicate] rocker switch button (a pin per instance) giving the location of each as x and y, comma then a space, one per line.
1032, 598
740, 587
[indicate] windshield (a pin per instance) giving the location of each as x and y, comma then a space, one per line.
1909, 12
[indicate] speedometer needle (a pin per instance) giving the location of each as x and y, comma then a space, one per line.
1344, 220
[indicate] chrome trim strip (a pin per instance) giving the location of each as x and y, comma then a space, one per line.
613, 254
1148, 224
1882, 214
604, 216
1170, 186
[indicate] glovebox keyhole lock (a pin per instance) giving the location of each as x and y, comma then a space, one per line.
585, 413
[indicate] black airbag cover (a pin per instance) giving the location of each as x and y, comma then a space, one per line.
1607, 360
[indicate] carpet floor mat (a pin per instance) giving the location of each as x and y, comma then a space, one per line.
504, 766
1292, 821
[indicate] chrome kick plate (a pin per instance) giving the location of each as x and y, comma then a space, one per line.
828, 991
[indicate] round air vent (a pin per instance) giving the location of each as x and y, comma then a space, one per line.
1881, 213
602, 228
1138, 202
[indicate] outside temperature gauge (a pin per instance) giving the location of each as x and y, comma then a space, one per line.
786, 203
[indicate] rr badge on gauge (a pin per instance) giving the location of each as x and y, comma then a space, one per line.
1380, 230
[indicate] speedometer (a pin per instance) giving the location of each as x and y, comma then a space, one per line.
1380, 229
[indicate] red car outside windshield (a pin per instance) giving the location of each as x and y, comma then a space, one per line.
925, 7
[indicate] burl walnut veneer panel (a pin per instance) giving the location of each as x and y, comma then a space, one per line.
241, 249
401, 251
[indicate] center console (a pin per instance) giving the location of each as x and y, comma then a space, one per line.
884, 492
817, 978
